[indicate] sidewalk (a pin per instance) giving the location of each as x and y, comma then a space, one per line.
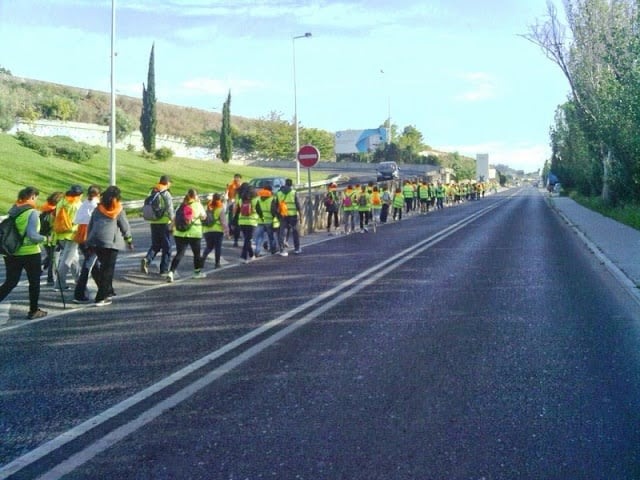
615, 244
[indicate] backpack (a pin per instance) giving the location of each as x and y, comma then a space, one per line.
346, 201
362, 200
209, 220
246, 209
329, 200
153, 208
10, 238
184, 217
46, 223
375, 198
62, 222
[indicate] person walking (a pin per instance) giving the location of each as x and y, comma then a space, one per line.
64, 230
188, 233
386, 204
28, 255
249, 214
107, 219
160, 227
349, 208
268, 222
232, 194
47, 215
364, 208
398, 204
83, 217
332, 205
289, 216
214, 228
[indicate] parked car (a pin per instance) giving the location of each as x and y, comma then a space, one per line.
275, 182
388, 171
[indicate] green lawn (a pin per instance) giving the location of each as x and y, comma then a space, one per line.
21, 166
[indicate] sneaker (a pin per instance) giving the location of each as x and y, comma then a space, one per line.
37, 314
199, 274
103, 303
170, 277
81, 300
144, 266
284, 253
297, 252
64, 289
217, 265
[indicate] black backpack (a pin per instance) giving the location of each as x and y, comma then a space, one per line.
10, 239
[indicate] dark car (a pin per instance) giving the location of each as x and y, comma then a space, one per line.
275, 182
388, 171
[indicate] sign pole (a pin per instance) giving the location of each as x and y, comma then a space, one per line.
310, 206
308, 156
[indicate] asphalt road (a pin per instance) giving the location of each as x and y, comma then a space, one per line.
477, 342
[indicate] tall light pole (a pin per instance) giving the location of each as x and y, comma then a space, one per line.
295, 103
112, 128
388, 113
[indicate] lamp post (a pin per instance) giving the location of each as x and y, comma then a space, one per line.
295, 103
389, 139
112, 127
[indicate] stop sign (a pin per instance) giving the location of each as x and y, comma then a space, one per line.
308, 156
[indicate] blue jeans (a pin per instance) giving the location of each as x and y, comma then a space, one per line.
262, 230
160, 241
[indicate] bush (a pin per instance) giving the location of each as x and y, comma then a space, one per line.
60, 146
163, 153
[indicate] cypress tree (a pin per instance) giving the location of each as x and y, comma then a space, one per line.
148, 115
226, 142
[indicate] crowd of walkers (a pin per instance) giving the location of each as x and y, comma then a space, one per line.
65, 226
68, 226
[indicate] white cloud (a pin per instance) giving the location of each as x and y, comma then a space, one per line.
481, 87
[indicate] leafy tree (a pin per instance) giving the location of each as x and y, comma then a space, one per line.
321, 139
599, 62
57, 108
226, 142
274, 137
148, 120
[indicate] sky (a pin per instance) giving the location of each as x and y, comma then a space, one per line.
459, 71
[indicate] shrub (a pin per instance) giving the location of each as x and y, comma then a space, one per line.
163, 153
60, 146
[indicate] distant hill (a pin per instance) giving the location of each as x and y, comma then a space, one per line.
95, 106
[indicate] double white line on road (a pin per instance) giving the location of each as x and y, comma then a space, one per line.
313, 308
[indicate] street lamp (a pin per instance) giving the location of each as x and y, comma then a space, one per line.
295, 103
112, 123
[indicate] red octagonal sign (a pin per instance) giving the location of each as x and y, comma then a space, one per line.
308, 156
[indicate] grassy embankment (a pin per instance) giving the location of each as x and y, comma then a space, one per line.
21, 166
627, 214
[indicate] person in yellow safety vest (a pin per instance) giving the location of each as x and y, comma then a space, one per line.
440, 194
376, 204
64, 231
214, 229
289, 218
27, 256
398, 204
249, 215
364, 207
189, 236
268, 205
332, 205
47, 214
407, 192
423, 197
349, 207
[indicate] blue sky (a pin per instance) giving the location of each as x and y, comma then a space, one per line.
457, 70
